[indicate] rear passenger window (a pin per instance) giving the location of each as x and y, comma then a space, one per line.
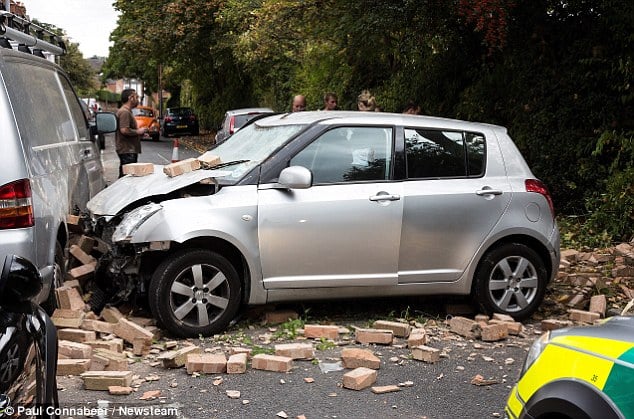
443, 154
349, 154
41, 111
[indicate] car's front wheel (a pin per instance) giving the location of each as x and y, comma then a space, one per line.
511, 279
195, 292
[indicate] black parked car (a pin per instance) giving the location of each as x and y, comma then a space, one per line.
179, 121
28, 344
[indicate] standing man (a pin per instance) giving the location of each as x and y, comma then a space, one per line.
330, 101
299, 103
128, 136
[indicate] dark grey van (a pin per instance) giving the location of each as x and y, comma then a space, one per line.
50, 164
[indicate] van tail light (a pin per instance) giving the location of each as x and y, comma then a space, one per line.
537, 186
16, 205
232, 124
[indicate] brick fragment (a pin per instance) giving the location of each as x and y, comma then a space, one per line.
237, 364
598, 304
514, 328
426, 354
316, 331
115, 345
502, 317
76, 335
356, 357
295, 350
465, 327
86, 243
381, 336
72, 366
583, 316
239, 350
177, 359
82, 272
63, 318
206, 363
115, 361
570, 255
73, 222
101, 380
138, 169
399, 329
281, 316
120, 390
385, 389
359, 378
74, 350
183, 166
417, 337
272, 363
494, 332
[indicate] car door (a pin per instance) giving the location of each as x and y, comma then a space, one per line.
345, 229
451, 203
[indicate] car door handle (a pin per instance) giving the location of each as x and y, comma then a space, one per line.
385, 197
485, 191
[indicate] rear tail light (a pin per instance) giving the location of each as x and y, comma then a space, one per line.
537, 186
168, 119
16, 205
232, 123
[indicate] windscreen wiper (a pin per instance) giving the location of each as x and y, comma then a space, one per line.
223, 165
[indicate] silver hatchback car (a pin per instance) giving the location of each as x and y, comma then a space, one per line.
323, 205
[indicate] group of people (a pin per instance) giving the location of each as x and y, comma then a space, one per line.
365, 102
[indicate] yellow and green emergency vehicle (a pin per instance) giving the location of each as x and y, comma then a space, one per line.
578, 372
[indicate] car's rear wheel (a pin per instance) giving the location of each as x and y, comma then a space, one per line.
511, 279
195, 292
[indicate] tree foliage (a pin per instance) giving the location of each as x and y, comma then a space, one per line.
557, 73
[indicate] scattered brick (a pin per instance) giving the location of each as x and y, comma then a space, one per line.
237, 364
426, 354
295, 350
514, 328
552, 324
381, 336
72, 366
97, 326
63, 318
502, 317
206, 363
239, 350
417, 337
82, 256
101, 380
74, 350
73, 222
130, 331
494, 332
82, 272
400, 330
115, 345
359, 378
583, 316
138, 169
183, 166
272, 363
316, 331
465, 327
111, 314
115, 361
69, 298
177, 359
76, 335
355, 358
598, 304
209, 160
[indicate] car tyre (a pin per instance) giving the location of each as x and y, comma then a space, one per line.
59, 273
195, 292
510, 279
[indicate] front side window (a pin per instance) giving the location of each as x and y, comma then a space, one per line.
349, 154
443, 154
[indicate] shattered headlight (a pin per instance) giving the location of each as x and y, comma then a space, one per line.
133, 220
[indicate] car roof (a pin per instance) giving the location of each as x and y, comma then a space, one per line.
375, 118
249, 110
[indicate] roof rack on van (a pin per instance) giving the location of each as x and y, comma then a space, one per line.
29, 36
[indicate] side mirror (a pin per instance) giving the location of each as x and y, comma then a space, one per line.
296, 177
105, 122
20, 281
